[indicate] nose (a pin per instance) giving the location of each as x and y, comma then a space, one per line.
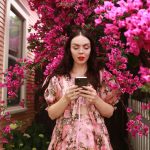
81, 50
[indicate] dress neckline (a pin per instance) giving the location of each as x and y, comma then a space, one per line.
73, 76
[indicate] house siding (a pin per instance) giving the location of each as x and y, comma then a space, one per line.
2, 26
28, 115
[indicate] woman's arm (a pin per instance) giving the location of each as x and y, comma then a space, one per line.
105, 109
58, 108
90, 94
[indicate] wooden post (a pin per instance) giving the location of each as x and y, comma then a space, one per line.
1, 144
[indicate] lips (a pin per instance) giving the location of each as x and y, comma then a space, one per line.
81, 58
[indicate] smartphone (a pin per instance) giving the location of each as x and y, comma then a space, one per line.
81, 81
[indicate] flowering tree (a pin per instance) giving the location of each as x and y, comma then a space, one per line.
128, 19
121, 29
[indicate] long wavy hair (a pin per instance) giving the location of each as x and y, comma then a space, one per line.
66, 65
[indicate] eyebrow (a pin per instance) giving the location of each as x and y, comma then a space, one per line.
83, 44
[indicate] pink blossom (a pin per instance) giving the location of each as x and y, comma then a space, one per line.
145, 106
146, 129
98, 21
111, 29
138, 117
2, 102
137, 127
129, 110
6, 130
145, 74
99, 10
4, 140
108, 5
22, 103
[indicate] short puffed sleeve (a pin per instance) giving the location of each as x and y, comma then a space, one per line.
109, 96
53, 91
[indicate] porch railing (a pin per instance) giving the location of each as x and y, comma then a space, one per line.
140, 143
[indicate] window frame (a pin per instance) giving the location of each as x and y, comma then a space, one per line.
22, 11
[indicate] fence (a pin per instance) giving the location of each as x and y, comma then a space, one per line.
140, 143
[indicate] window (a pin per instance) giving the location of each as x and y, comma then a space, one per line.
15, 46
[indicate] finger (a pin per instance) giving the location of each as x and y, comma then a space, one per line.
85, 92
74, 97
73, 87
78, 89
86, 96
75, 90
75, 94
89, 88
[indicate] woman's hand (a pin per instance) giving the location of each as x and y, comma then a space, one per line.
89, 93
72, 93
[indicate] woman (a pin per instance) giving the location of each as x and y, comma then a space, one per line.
78, 111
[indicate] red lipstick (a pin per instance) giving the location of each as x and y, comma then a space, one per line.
81, 58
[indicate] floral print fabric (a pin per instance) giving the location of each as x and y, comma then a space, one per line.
73, 130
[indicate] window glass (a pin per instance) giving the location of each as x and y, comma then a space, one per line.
15, 47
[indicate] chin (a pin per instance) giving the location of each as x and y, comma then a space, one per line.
82, 63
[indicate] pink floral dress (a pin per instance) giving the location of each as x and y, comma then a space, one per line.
73, 130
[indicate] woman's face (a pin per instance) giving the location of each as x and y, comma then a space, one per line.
80, 49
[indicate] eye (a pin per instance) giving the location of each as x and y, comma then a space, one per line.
86, 47
76, 48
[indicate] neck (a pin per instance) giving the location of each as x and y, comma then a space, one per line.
79, 70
